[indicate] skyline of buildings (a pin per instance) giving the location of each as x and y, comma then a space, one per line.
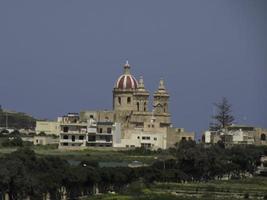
131, 122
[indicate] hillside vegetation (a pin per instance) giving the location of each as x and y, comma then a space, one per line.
16, 120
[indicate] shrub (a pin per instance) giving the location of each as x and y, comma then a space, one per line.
13, 142
4, 131
246, 196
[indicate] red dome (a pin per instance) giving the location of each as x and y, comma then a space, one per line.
126, 81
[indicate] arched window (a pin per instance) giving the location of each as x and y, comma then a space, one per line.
165, 107
128, 100
138, 106
263, 137
145, 107
119, 100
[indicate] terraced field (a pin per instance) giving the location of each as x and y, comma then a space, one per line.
252, 188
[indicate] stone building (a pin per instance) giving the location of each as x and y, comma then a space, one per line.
81, 134
139, 126
129, 124
48, 127
237, 134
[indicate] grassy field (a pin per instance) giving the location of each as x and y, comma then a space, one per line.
93, 154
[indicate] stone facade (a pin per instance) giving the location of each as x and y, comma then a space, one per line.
131, 111
48, 127
237, 134
135, 125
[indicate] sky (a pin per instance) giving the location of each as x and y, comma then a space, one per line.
65, 56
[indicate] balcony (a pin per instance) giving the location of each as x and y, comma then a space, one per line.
99, 142
84, 124
74, 132
71, 141
103, 141
91, 130
104, 133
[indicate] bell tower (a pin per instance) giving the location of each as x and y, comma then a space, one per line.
161, 100
141, 97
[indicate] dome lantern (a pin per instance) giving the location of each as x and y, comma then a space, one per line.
126, 81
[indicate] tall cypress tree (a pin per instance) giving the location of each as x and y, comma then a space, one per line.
224, 117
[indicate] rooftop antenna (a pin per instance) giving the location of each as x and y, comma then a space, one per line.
213, 113
6, 121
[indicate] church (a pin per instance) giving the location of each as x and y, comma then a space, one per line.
129, 124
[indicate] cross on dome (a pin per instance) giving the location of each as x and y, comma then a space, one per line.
127, 63
127, 67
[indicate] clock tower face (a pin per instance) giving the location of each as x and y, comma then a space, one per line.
158, 108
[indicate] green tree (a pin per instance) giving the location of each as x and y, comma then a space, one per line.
223, 118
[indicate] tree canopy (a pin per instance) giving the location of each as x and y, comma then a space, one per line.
223, 118
25, 174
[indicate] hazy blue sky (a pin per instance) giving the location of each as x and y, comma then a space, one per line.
65, 56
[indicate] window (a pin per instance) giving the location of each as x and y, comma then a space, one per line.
152, 125
91, 117
91, 138
109, 130
73, 138
138, 106
128, 100
65, 137
100, 130
145, 107
81, 137
165, 107
119, 100
183, 138
155, 138
146, 145
263, 137
148, 125
102, 137
108, 138
138, 137
65, 144
65, 129
145, 138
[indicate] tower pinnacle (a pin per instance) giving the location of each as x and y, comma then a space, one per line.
161, 84
141, 83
